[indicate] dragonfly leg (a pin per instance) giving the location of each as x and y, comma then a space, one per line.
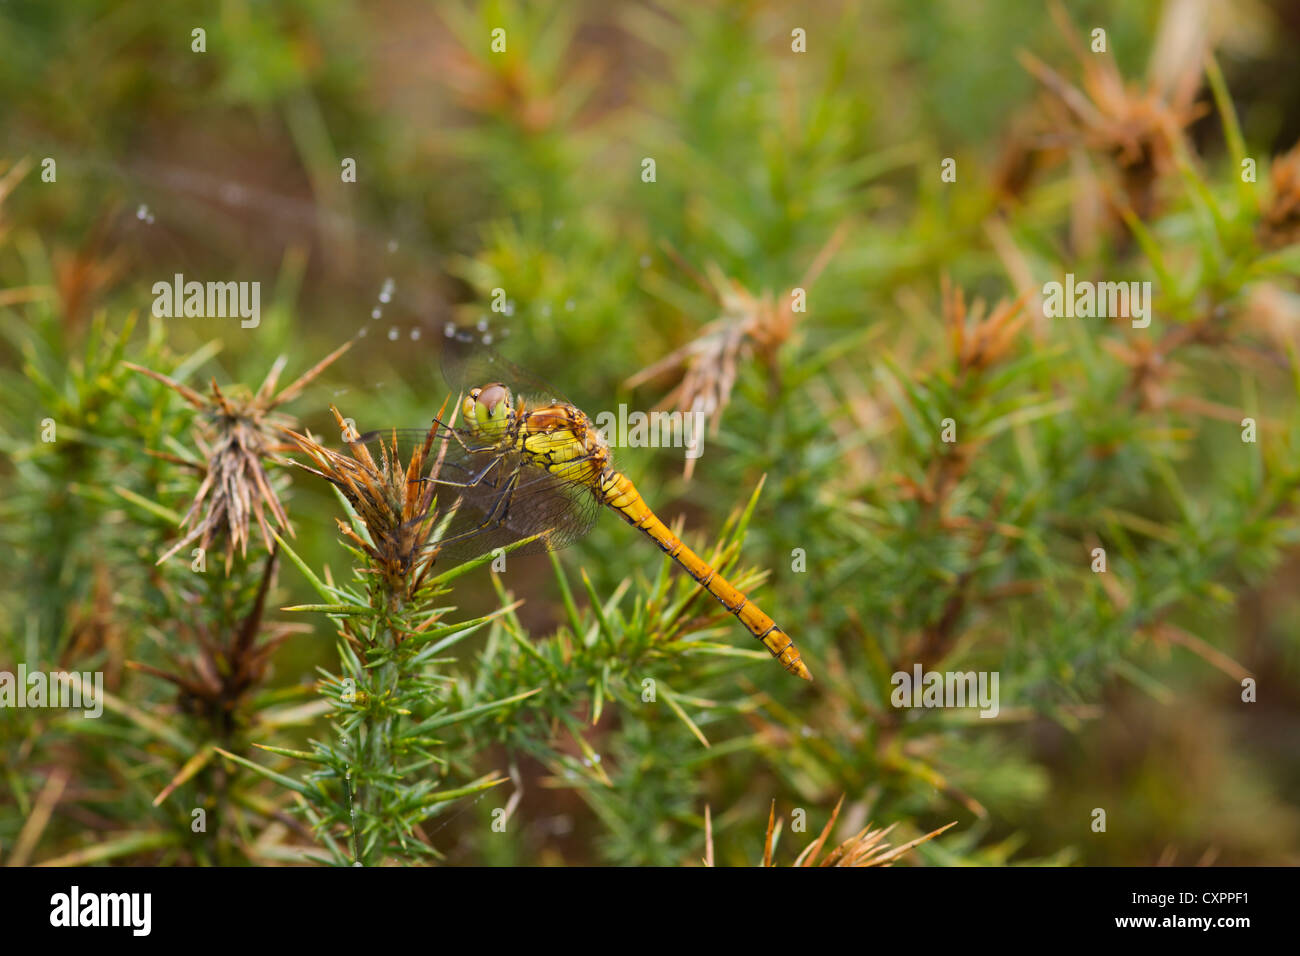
456, 434
473, 482
495, 517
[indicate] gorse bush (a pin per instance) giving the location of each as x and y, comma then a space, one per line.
991, 335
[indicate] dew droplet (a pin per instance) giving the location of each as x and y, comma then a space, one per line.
569, 305
482, 325
142, 213
392, 245
386, 293
376, 312
487, 338
393, 333
415, 335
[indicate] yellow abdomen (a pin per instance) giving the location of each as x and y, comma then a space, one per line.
617, 491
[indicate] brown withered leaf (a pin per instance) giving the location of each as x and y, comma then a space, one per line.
215, 672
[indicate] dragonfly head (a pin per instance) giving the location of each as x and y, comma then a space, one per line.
488, 409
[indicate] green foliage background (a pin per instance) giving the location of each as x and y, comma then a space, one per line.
522, 170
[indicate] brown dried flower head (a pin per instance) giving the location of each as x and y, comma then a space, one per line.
393, 499
867, 847
748, 325
1138, 128
1279, 224
235, 435
980, 341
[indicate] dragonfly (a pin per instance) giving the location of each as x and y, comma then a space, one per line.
524, 462
520, 466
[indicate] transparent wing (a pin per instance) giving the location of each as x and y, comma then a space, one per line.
469, 360
494, 497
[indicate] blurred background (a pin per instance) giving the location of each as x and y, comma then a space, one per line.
774, 168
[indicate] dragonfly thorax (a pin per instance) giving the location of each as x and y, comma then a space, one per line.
562, 439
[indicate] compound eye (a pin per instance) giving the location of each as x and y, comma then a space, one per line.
495, 398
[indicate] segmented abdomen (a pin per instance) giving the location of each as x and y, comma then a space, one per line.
617, 491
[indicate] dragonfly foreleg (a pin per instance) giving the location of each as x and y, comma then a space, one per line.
457, 434
473, 482
494, 517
